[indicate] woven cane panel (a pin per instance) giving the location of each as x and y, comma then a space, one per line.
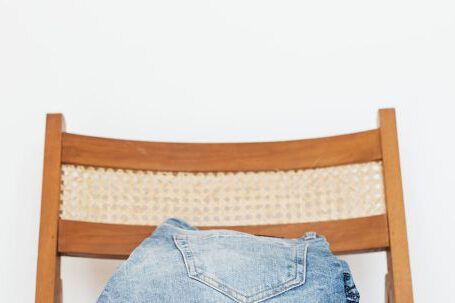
243, 198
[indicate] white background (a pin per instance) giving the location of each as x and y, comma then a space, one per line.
204, 71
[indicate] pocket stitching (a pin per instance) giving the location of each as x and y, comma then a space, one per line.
300, 256
241, 236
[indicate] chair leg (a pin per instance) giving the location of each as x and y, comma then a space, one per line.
59, 294
59, 283
387, 296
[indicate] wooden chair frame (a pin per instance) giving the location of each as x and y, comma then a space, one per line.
59, 237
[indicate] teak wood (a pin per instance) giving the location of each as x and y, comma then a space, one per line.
163, 156
382, 232
48, 286
397, 254
117, 241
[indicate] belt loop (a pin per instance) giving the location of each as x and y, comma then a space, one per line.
310, 235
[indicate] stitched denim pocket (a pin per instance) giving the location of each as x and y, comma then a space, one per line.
247, 269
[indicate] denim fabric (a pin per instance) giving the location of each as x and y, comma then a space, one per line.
179, 263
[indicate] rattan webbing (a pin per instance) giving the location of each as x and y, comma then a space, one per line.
212, 199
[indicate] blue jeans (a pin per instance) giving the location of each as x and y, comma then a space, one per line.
179, 263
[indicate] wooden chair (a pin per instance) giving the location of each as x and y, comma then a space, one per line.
101, 197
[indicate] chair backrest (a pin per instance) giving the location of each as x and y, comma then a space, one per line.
101, 197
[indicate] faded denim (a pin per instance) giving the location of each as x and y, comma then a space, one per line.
181, 264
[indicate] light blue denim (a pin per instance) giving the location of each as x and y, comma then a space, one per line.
181, 264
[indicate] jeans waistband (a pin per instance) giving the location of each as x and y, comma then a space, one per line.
184, 226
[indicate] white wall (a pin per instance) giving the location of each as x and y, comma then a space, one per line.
229, 71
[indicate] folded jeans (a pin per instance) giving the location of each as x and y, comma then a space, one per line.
179, 263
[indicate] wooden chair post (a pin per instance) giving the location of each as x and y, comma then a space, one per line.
397, 255
48, 283
69, 235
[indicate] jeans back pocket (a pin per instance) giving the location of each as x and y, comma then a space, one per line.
247, 269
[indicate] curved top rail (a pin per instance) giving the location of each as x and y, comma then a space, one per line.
207, 157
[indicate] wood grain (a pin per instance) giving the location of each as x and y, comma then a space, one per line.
383, 232
398, 256
78, 238
48, 286
281, 155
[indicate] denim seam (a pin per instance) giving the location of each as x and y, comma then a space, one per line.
289, 281
269, 241
186, 253
256, 297
300, 254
